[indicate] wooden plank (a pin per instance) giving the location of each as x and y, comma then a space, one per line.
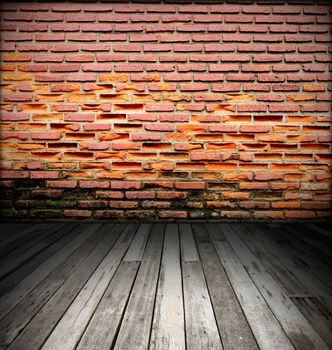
265, 327
304, 254
14, 241
44, 322
233, 326
8, 283
188, 246
201, 328
320, 229
319, 318
10, 230
104, 325
200, 234
323, 228
9, 300
294, 324
20, 247
137, 247
42, 240
168, 323
214, 232
313, 284
24, 311
323, 243
285, 279
134, 332
70, 328
4, 226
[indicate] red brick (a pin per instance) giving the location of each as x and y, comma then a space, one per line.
173, 118
152, 28
228, 28
269, 19
14, 174
256, 9
251, 47
160, 67
202, 156
66, 7
252, 108
233, 87
159, 127
51, 17
141, 37
190, 185
286, 87
177, 77
77, 213
94, 184
283, 108
106, 57
312, 48
65, 27
207, 19
44, 175
256, 87
238, 19
45, 136
140, 195
313, 67
254, 128
268, 38
191, 28
127, 47
241, 77
129, 8
62, 184
17, 16
17, 97
144, 18
128, 27
208, 77
270, 97
229, 67
8, 36
193, 87
193, 8
281, 48
225, 8
123, 67
188, 47
159, 107
146, 137
242, 38
14, 116
180, 214
219, 48
161, 8
157, 47
64, 48
125, 185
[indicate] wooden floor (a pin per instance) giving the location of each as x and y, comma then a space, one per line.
165, 286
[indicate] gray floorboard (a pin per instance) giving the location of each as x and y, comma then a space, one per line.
165, 286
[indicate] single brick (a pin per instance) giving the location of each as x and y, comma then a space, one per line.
94, 184
190, 185
62, 184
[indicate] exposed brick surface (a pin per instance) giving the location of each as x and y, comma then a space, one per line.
166, 110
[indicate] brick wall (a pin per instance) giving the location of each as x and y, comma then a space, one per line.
157, 111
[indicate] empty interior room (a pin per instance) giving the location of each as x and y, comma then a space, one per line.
165, 178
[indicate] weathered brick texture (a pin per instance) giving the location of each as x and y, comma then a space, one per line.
166, 110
